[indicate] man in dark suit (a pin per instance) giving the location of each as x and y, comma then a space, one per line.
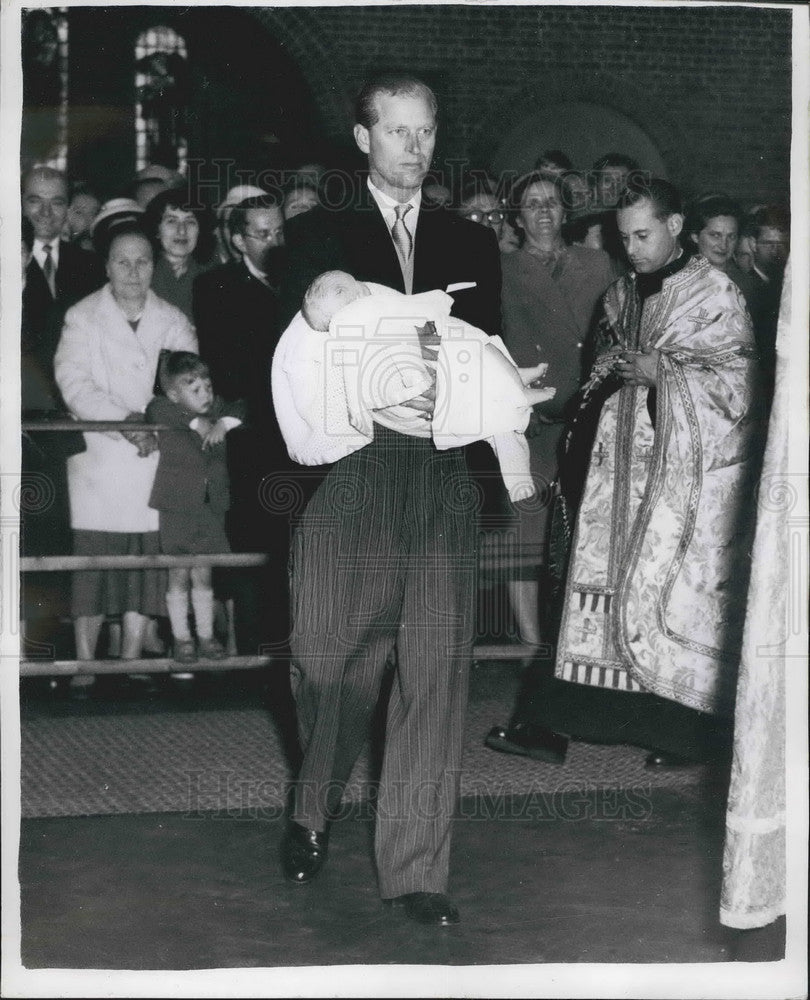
235, 314
58, 274
384, 558
771, 247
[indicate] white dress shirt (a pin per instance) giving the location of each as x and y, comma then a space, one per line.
387, 205
38, 252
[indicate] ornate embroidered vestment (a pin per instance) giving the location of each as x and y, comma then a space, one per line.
657, 578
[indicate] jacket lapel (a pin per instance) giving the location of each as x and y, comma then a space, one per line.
435, 261
64, 273
369, 244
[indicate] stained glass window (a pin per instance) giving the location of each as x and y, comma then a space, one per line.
45, 86
161, 97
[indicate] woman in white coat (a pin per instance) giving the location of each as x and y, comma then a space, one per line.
105, 366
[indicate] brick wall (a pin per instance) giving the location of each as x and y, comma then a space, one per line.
709, 85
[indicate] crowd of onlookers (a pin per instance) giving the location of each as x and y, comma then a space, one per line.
113, 288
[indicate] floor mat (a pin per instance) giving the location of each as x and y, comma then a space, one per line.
231, 760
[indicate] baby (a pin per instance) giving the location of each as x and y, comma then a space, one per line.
394, 358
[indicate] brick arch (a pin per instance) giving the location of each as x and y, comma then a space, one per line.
297, 30
639, 106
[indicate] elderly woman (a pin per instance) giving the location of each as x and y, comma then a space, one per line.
105, 368
713, 227
181, 234
549, 297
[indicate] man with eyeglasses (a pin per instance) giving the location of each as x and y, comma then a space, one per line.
483, 207
236, 317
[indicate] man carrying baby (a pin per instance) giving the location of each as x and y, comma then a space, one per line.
384, 556
371, 359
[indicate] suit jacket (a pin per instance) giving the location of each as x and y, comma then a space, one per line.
764, 307
236, 318
79, 273
448, 250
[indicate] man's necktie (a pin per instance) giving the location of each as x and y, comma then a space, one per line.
403, 240
49, 270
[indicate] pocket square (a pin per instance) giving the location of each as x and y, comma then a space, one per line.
460, 285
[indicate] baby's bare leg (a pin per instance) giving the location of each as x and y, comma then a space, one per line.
542, 395
529, 375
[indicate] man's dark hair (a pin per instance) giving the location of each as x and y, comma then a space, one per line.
664, 196
555, 156
472, 189
78, 188
615, 160
390, 83
173, 365
701, 211
237, 220
773, 217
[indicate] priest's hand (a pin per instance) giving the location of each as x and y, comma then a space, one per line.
639, 367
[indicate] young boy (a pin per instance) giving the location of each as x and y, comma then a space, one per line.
383, 349
191, 493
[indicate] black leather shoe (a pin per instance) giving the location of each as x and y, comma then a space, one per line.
536, 742
657, 760
303, 853
428, 908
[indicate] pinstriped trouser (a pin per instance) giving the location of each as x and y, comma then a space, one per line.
385, 555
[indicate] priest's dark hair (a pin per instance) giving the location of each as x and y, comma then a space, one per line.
664, 196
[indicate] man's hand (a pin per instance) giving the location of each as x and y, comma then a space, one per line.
639, 367
424, 404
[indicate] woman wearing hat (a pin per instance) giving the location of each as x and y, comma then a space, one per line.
114, 214
105, 368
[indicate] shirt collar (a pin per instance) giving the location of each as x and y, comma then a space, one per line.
387, 204
38, 249
761, 274
253, 269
